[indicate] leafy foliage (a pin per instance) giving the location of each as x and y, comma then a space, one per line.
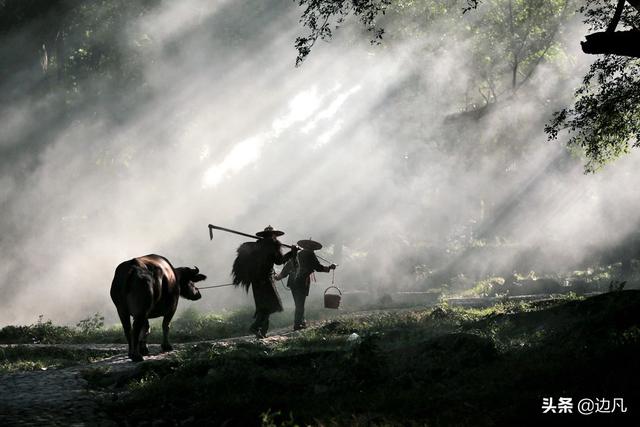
512, 38
320, 15
509, 38
91, 324
605, 119
505, 40
41, 332
80, 44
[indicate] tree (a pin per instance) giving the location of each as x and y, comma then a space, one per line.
510, 39
605, 118
520, 34
610, 41
319, 16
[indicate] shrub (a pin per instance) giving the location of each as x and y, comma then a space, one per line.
91, 324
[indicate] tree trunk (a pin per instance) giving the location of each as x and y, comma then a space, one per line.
60, 56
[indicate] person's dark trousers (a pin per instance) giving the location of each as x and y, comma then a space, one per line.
260, 326
299, 297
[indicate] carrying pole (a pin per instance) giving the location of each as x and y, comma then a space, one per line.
215, 286
228, 230
253, 236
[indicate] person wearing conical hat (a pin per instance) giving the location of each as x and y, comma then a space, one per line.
299, 270
253, 267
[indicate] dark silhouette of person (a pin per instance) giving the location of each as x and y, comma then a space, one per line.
253, 267
299, 270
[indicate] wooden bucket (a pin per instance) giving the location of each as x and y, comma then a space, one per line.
332, 300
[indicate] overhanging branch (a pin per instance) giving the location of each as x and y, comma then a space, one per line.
624, 43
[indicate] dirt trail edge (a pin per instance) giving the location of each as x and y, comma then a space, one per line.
62, 397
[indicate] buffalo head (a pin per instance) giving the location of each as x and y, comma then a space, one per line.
188, 276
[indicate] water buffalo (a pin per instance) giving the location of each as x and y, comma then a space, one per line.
147, 287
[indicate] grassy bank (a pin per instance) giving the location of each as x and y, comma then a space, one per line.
437, 366
191, 325
17, 355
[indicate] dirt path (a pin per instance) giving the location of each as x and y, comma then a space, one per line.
62, 397
57, 397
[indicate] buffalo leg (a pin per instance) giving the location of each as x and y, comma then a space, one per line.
138, 324
165, 332
144, 350
126, 326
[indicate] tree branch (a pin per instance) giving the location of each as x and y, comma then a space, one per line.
616, 17
624, 43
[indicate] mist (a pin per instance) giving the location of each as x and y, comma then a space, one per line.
356, 149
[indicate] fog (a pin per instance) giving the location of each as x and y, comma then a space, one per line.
353, 149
